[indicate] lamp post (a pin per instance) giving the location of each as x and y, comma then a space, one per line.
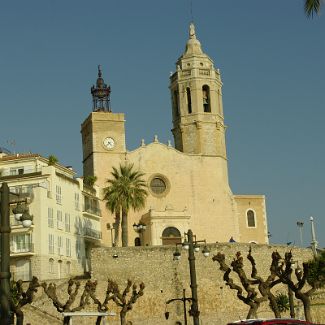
300, 225
184, 300
314, 242
21, 214
140, 228
111, 228
192, 245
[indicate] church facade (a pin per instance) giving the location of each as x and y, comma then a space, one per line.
188, 184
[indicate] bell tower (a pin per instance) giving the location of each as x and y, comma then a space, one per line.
103, 134
197, 111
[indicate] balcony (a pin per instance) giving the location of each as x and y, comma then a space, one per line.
92, 211
17, 226
19, 172
92, 234
22, 249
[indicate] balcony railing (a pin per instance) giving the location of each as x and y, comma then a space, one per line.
22, 248
92, 210
95, 234
20, 171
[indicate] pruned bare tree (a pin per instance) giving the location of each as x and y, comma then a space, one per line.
73, 289
123, 300
265, 286
251, 297
21, 298
91, 287
305, 284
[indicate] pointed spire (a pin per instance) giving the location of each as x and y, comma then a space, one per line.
99, 71
193, 45
101, 94
192, 31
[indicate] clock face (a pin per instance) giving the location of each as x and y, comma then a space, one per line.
109, 143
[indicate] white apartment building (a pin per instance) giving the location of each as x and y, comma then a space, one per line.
66, 218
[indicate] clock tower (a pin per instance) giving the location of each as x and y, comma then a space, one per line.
103, 135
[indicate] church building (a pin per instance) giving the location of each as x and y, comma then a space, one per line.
188, 186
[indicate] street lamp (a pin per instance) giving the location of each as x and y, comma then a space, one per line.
314, 242
140, 228
21, 214
184, 300
192, 245
300, 225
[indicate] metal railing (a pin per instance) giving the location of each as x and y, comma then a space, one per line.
20, 171
88, 232
20, 248
92, 210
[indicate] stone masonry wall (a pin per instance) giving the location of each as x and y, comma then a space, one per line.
165, 279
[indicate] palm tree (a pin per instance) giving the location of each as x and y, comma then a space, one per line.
124, 191
312, 7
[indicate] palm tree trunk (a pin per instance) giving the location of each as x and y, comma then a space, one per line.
117, 228
124, 228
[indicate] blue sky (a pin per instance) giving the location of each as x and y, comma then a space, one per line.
272, 60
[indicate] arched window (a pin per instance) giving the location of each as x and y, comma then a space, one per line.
251, 218
51, 265
137, 241
189, 100
68, 268
175, 103
60, 269
206, 99
171, 236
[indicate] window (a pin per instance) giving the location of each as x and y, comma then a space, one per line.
50, 219
67, 222
157, 185
51, 244
76, 201
78, 225
175, 103
68, 270
59, 221
68, 246
23, 270
51, 265
189, 100
21, 243
17, 171
58, 194
206, 99
171, 236
78, 248
60, 245
251, 218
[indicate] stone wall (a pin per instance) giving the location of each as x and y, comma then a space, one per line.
165, 279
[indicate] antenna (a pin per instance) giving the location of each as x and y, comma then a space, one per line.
191, 10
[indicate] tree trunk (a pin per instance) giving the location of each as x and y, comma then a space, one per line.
252, 313
117, 228
274, 305
124, 229
307, 311
19, 317
123, 317
66, 320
